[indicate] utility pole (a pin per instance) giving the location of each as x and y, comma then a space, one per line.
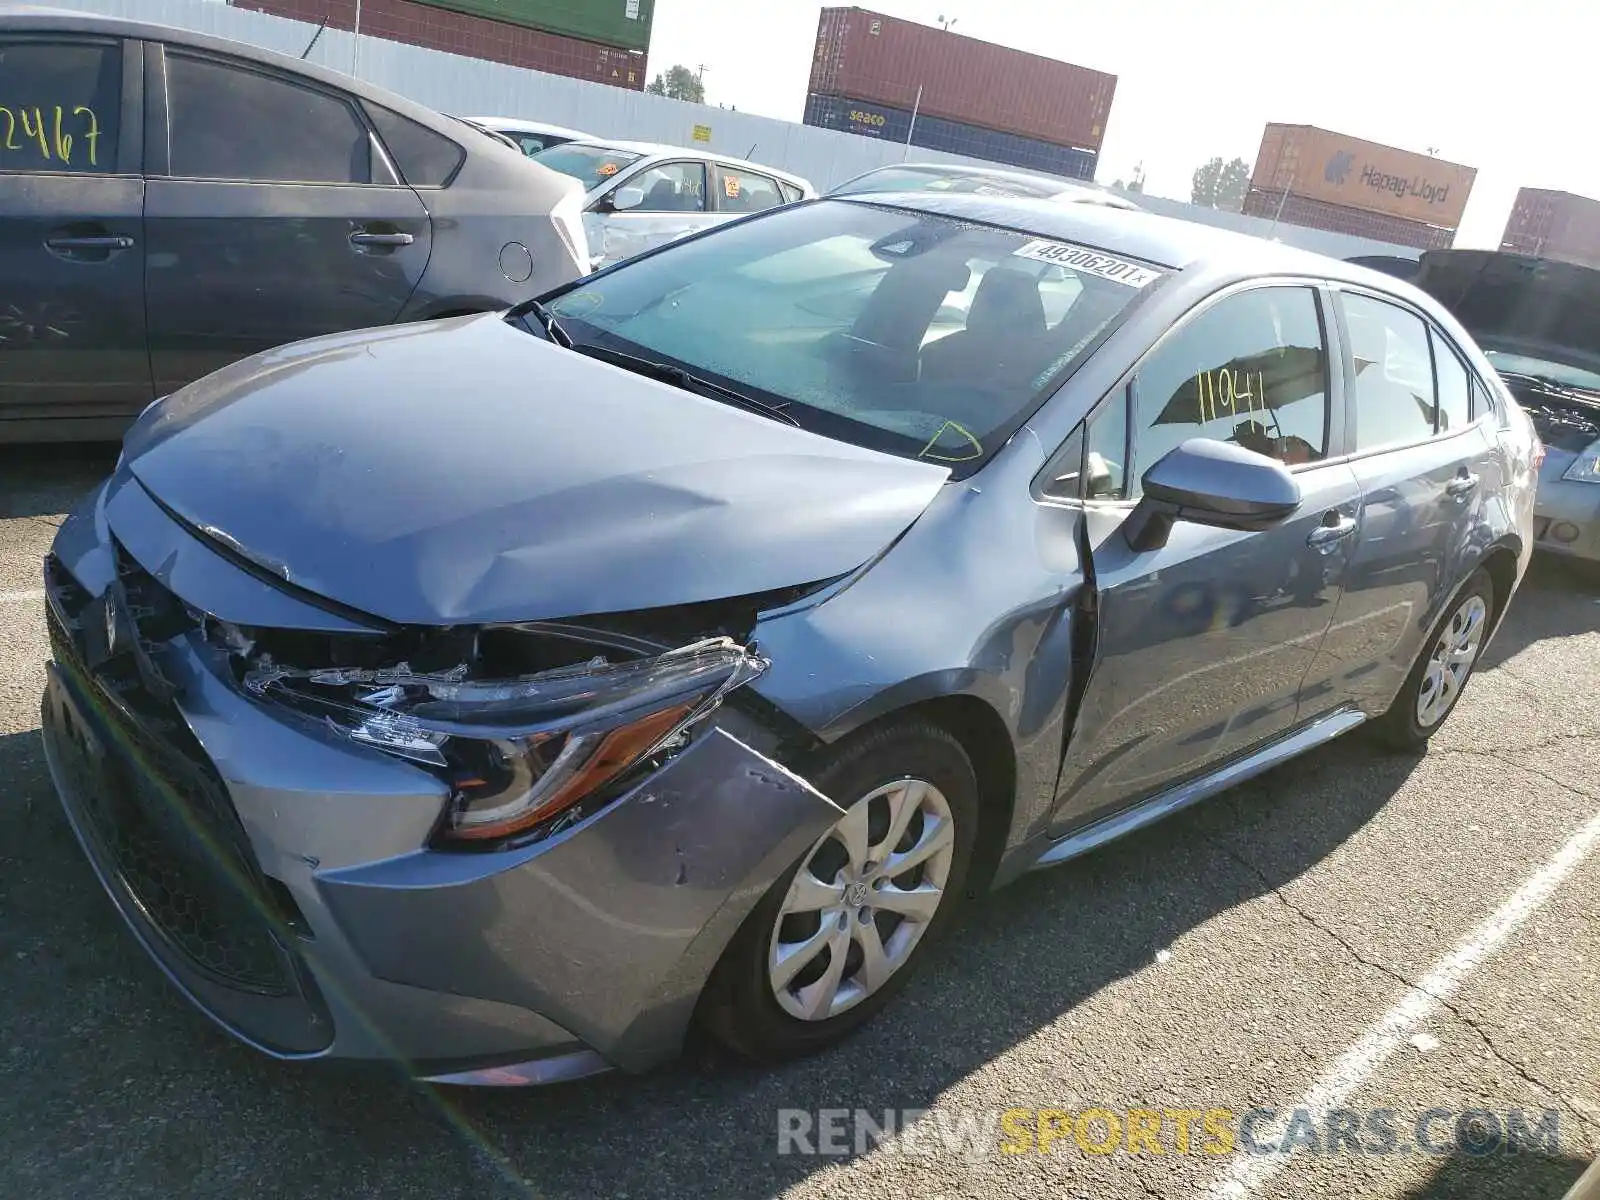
946, 22
912, 128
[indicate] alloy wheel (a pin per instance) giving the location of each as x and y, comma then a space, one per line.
861, 900
1451, 661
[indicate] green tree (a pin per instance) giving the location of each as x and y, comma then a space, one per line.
1135, 184
1218, 184
678, 83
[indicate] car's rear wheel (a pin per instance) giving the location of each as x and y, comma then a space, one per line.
1443, 666
839, 933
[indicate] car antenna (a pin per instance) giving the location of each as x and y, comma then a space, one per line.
314, 38
751, 153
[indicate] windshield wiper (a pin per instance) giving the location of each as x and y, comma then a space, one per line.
687, 380
547, 322
1550, 384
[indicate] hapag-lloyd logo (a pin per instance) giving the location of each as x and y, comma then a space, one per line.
1342, 161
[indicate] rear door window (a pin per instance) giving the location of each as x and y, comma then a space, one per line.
1395, 400
60, 106
745, 191
230, 122
1252, 370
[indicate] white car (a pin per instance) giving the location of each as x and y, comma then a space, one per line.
529, 136
639, 195
982, 181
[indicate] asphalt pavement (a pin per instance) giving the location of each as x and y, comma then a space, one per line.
1355, 934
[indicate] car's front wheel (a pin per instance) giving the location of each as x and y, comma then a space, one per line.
1442, 668
837, 935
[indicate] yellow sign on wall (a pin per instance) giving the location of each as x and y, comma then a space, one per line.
702, 133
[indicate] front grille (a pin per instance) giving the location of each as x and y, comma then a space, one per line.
165, 825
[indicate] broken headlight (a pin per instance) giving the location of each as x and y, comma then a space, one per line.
520, 751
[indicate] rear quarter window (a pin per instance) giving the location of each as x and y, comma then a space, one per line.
424, 158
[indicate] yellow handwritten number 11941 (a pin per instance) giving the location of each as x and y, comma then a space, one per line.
37, 130
1227, 391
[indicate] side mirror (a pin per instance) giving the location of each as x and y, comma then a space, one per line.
1210, 483
626, 197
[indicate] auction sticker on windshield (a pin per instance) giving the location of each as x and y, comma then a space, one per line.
1088, 262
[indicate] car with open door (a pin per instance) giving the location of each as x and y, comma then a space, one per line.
185, 201
685, 646
639, 195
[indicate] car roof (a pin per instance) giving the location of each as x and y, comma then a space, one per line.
663, 150
56, 20
521, 126
1165, 241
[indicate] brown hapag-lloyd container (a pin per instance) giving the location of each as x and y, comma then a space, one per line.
1341, 218
1336, 169
868, 56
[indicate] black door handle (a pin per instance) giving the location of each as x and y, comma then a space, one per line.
105, 241
362, 238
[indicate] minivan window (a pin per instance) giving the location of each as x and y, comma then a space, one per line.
1393, 387
857, 318
589, 165
229, 122
425, 158
1455, 393
1252, 370
62, 106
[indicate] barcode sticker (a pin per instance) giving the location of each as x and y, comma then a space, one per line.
1088, 262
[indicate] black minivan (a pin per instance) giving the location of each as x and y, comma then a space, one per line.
172, 202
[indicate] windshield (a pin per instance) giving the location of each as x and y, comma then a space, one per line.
589, 165
1526, 364
906, 179
916, 334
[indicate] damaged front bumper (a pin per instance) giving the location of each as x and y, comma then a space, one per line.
292, 880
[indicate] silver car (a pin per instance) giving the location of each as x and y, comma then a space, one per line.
978, 181
530, 137
1538, 322
641, 195
510, 694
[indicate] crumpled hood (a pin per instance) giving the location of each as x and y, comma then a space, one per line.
467, 472
1502, 297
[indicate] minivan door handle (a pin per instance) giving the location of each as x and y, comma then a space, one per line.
1334, 529
1462, 484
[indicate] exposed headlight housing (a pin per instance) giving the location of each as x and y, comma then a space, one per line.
1586, 467
518, 752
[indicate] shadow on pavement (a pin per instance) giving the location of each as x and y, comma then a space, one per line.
1557, 599
1523, 1176
41, 481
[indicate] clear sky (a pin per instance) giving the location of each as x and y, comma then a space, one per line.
1505, 88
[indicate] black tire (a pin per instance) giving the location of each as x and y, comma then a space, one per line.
1399, 727
738, 1007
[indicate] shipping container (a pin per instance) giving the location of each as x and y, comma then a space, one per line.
624, 23
868, 56
1557, 225
1336, 169
1342, 218
437, 28
936, 133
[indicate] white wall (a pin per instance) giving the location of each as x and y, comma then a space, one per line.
472, 87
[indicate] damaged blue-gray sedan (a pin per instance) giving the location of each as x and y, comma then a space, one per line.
508, 695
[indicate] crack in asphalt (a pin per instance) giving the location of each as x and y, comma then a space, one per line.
1399, 977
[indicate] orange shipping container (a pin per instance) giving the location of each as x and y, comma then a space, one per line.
1337, 169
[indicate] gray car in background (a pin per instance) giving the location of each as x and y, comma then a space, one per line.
507, 695
639, 195
200, 201
1538, 322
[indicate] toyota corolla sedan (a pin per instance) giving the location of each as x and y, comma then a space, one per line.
1538, 322
510, 694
